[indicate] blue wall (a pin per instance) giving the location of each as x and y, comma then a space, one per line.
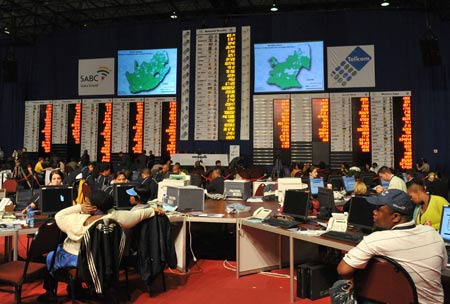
49, 68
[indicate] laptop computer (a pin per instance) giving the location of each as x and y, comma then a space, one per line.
445, 225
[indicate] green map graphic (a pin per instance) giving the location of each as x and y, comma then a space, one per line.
284, 74
148, 75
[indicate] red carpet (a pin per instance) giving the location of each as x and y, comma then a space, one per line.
207, 282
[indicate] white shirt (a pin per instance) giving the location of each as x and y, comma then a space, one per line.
420, 250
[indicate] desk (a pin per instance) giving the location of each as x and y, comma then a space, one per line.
211, 206
12, 241
261, 247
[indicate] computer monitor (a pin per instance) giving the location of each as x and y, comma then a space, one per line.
326, 201
349, 183
445, 225
314, 184
55, 198
367, 178
361, 214
336, 182
296, 204
121, 197
404, 177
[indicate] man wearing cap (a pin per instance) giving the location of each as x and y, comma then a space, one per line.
417, 248
139, 196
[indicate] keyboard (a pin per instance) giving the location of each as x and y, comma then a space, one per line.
284, 223
353, 238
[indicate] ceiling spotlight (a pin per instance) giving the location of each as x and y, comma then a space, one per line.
6, 31
174, 15
274, 8
385, 3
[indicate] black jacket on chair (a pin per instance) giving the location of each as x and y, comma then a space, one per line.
155, 247
100, 254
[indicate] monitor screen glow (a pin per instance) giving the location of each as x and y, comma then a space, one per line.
314, 184
349, 183
445, 224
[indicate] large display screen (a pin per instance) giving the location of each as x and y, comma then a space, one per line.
289, 67
147, 72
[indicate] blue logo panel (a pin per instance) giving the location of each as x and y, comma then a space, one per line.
358, 58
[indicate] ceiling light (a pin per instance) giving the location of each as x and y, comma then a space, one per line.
274, 8
6, 31
385, 3
174, 15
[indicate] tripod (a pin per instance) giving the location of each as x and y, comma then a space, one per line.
18, 173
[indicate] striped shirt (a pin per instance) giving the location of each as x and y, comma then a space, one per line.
420, 250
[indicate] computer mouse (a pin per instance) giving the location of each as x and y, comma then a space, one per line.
3, 226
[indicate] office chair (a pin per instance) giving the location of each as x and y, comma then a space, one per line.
16, 273
384, 281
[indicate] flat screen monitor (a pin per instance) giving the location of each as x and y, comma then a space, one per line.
445, 225
361, 214
367, 178
349, 183
314, 184
336, 182
384, 183
289, 67
326, 198
296, 204
147, 72
404, 177
55, 198
121, 197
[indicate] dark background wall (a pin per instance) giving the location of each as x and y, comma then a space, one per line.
48, 69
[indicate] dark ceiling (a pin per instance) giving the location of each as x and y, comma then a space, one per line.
26, 20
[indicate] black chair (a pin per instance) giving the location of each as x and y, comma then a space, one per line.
384, 281
99, 259
16, 273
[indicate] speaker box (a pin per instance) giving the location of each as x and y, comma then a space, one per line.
314, 280
430, 51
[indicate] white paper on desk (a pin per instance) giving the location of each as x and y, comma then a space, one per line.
212, 215
254, 220
254, 199
312, 232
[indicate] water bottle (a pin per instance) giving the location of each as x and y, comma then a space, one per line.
30, 217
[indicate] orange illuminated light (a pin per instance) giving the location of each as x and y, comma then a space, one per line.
406, 138
47, 129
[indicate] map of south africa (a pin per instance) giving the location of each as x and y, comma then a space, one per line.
284, 74
148, 75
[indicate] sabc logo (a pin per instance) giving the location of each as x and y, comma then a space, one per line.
100, 75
